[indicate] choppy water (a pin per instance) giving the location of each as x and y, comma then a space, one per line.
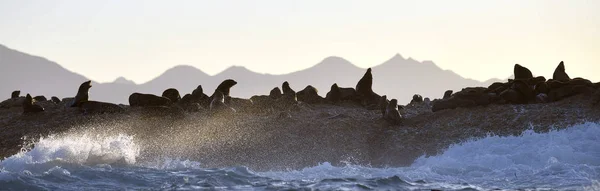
563, 160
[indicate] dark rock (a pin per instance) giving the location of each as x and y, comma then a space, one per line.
144, 100
198, 92
522, 73
560, 74
172, 94
542, 98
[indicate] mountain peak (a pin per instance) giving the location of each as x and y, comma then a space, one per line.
123, 80
333, 61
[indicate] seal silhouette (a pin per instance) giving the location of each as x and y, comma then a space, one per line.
560, 74
172, 94
392, 114
30, 107
15, 94
82, 94
522, 73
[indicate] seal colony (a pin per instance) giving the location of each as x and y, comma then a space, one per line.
296, 128
523, 89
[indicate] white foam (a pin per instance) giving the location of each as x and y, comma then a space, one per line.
74, 149
566, 158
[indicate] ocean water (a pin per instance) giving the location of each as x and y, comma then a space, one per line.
568, 159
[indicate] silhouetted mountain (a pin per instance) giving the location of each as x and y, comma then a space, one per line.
398, 78
35, 75
123, 80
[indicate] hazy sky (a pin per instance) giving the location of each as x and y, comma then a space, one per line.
141, 39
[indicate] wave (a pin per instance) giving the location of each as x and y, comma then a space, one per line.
566, 159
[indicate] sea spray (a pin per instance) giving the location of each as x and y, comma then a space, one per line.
560, 159
80, 149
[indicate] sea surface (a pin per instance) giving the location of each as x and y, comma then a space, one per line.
568, 159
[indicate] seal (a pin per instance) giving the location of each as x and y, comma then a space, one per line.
334, 94
364, 87
218, 103
275, 93
29, 105
309, 95
560, 74
416, 99
225, 87
96, 107
522, 73
172, 94
447, 94
392, 114
287, 91
40, 98
383, 103
82, 94
144, 100
15, 94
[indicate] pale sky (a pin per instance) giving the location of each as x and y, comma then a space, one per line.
141, 39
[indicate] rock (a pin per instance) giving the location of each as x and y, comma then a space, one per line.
447, 94
275, 93
262, 103
560, 74
522, 73
40, 98
29, 105
145, 100
309, 95
12, 102
172, 94
542, 98
15, 94
240, 104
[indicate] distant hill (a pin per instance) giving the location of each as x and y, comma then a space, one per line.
398, 78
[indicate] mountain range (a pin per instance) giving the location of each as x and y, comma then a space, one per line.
398, 78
